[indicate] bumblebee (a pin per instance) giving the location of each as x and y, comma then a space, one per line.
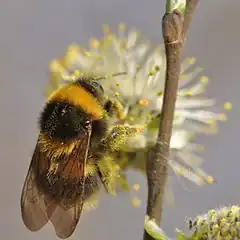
74, 133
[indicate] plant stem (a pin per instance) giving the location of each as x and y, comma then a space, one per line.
188, 13
157, 165
174, 30
169, 5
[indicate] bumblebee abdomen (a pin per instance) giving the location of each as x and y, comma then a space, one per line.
63, 121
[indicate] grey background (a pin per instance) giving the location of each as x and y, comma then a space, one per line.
33, 32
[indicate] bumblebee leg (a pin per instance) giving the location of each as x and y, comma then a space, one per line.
114, 140
109, 170
117, 137
111, 176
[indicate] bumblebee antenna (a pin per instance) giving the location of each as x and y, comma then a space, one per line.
112, 75
67, 79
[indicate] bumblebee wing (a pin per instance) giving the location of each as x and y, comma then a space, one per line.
34, 206
68, 211
65, 219
61, 201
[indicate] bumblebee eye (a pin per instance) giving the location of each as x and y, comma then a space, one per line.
96, 84
87, 123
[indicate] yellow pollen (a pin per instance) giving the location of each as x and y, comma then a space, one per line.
212, 122
210, 179
159, 94
136, 202
56, 67
131, 119
94, 43
157, 68
117, 84
121, 26
117, 94
72, 54
223, 117
116, 167
109, 38
73, 47
182, 77
204, 79
191, 60
227, 105
188, 94
179, 172
139, 129
106, 29
90, 169
144, 102
151, 73
77, 73
138, 68
87, 54
136, 187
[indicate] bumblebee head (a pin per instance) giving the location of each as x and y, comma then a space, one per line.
94, 88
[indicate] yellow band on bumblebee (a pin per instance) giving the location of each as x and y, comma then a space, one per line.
78, 96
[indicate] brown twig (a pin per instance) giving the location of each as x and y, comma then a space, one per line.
188, 13
174, 29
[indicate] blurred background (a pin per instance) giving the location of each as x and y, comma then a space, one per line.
33, 32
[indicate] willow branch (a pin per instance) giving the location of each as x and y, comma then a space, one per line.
157, 165
188, 13
174, 29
